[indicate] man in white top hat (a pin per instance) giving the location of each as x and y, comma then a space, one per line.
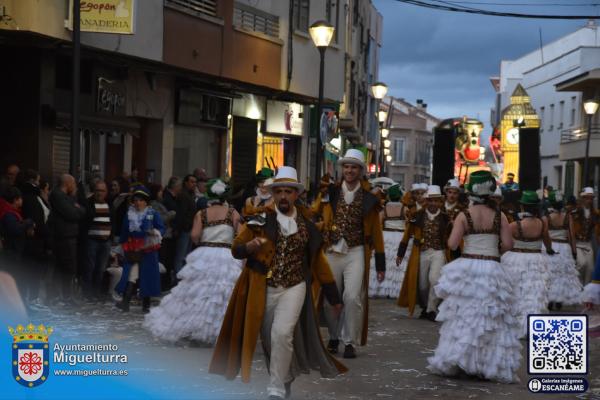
273, 295
417, 194
583, 220
355, 231
452, 207
430, 230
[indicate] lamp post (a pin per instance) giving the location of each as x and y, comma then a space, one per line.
74, 152
379, 90
321, 33
590, 106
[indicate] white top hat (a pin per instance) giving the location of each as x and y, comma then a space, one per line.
424, 186
587, 191
415, 186
288, 177
453, 184
353, 156
433, 191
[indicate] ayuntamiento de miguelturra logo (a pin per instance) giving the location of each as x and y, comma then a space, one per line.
30, 354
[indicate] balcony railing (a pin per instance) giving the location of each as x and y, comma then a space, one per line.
194, 7
255, 20
575, 134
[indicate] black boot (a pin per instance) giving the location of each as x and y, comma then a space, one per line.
349, 351
124, 304
288, 389
146, 305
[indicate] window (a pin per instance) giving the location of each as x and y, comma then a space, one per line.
561, 114
398, 150
400, 178
194, 7
551, 117
301, 13
573, 110
254, 20
332, 14
542, 112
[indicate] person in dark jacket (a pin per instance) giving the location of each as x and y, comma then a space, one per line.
36, 246
14, 230
184, 219
170, 194
65, 217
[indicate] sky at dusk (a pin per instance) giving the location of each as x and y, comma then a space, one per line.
447, 58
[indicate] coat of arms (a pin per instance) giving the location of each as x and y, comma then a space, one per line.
30, 354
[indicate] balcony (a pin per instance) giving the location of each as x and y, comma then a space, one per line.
572, 143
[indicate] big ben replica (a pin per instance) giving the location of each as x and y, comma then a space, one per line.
518, 115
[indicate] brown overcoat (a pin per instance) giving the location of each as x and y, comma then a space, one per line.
373, 240
237, 340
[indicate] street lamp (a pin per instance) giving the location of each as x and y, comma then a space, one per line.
590, 106
321, 33
385, 132
379, 90
387, 143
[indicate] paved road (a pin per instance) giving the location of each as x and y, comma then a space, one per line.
392, 366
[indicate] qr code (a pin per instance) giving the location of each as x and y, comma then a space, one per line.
557, 344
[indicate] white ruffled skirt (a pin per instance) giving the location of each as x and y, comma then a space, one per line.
564, 285
529, 276
390, 287
478, 333
194, 309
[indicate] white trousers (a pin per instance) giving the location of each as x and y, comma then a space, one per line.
585, 261
282, 310
348, 271
430, 269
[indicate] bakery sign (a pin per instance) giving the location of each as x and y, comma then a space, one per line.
284, 118
105, 16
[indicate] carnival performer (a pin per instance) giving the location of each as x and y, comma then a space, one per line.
564, 286
393, 229
525, 263
583, 220
141, 235
417, 199
272, 295
322, 216
355, 232
258, 203
195, 308
452, 207
478, 335
591, 291
429, 227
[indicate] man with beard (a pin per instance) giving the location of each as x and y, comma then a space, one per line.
273, 295
429, 228
355, 232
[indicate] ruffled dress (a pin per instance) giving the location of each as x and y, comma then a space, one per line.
194, 309
393, 230
564, 285
527, 268
478, 333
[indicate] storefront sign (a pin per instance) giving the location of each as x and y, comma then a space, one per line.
111, 98
284, 118
105, 16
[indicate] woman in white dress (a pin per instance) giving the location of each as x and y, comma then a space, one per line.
478, 335
564, 286
196, 306
393, 230
525, 263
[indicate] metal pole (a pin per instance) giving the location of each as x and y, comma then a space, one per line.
586, 172
319, 154
75, 138
381, 152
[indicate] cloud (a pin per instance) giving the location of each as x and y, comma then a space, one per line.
446, 58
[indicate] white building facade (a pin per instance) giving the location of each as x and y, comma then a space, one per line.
539, 72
